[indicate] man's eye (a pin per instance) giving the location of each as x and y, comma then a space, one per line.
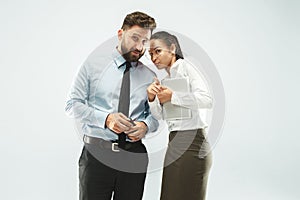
145, 42
134, 38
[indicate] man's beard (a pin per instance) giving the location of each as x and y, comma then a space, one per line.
128, 56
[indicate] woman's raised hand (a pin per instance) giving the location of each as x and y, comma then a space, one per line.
154, 89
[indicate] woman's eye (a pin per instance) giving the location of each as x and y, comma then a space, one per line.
158, 51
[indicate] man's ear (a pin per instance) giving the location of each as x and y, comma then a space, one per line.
120, 34
173, 48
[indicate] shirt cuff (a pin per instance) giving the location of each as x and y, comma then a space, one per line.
100, 118
148, 122
153, 103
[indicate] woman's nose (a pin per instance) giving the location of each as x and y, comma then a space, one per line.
153, 58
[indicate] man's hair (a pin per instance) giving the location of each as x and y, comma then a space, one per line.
140, 19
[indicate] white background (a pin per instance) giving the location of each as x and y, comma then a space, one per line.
253, 43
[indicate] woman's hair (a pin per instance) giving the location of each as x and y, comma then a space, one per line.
169, 39
140, 19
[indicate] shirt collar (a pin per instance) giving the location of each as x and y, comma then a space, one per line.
174, 67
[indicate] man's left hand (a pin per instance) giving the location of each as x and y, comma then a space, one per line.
137, 132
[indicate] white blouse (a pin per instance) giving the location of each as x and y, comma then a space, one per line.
198, 99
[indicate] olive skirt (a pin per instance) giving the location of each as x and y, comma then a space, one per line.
186, 167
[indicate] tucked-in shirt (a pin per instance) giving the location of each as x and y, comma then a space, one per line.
197, 99
95, 92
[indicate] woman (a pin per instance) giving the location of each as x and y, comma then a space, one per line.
188, 158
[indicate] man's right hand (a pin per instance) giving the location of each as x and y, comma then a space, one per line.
118, 122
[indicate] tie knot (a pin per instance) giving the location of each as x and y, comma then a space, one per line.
128, 64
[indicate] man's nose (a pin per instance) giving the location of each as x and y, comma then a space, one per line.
139, 46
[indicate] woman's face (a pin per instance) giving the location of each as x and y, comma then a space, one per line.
161, 54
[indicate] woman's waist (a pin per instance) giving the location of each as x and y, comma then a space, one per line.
185, 125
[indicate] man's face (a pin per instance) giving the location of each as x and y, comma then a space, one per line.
133, 42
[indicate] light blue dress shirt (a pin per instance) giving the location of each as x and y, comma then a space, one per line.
95, 92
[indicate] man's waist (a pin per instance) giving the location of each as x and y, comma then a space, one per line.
109, 144
97, 132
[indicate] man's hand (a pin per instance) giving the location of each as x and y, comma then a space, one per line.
137, 132
153, 89
118, 122
164, 95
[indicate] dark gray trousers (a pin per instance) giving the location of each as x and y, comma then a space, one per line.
104, 173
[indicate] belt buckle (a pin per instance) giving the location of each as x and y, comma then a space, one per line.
113, 147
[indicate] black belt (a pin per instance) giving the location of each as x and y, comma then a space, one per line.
113, 145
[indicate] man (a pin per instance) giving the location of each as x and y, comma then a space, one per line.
109, 99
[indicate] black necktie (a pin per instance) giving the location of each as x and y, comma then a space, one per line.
124, 100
